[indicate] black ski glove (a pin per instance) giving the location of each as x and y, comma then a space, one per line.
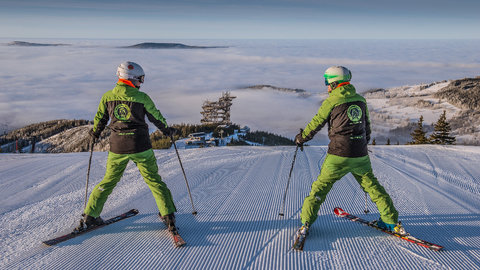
93, 135
299, 140
169, 131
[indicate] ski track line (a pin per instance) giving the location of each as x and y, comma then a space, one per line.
404, 198
203, 182
433, 187
476, 189
274, 232
224, 211
434, 221
64, 199
459, 200
230, 183
101, 242
418, 182
33, 193
426, 262
237, 192
442, 173
19, 236
267, 243
254, 238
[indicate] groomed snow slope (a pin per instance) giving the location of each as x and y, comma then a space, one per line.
238, 193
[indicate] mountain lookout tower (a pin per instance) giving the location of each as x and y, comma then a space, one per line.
218, 112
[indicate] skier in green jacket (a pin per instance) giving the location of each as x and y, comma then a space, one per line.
126, 107
346, 114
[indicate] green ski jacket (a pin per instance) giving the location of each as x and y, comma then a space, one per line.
127, 107
346, 114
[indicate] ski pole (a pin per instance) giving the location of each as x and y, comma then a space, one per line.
288, 183
88, 173
184, 175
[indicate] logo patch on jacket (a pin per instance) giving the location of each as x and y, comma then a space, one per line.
122, 112
354, 113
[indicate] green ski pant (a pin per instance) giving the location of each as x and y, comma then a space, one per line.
116, 164
333, 169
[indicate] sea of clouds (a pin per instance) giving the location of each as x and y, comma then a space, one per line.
67, 82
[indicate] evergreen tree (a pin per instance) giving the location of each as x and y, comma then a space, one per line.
388, 141
419, 135
374, 142
441, 133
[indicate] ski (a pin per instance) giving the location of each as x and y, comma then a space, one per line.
74, 234
300, 237
341, 213
176, 238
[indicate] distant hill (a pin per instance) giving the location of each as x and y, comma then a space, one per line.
40, 131
54, 136
75, 139
300, 92
154, 45
464, 93
30, 44
64, 136
394, 111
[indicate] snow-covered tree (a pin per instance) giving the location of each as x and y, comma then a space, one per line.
441, 133
419, 135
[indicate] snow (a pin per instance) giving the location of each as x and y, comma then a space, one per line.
397, 106
401, 103
238, 193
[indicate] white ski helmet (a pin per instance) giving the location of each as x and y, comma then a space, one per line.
130, 71
337, 74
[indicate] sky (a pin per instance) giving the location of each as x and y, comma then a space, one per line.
246, 19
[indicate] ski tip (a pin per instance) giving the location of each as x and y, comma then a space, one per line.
179, 245
178, 240
339, 211
47, 243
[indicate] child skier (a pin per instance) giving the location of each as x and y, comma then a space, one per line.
346, 114
127, 107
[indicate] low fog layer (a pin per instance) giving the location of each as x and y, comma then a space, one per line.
45, 83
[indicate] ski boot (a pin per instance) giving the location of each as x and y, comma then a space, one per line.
169, 221
395, 228
303, 231
300, 237
88, 222
400, 229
